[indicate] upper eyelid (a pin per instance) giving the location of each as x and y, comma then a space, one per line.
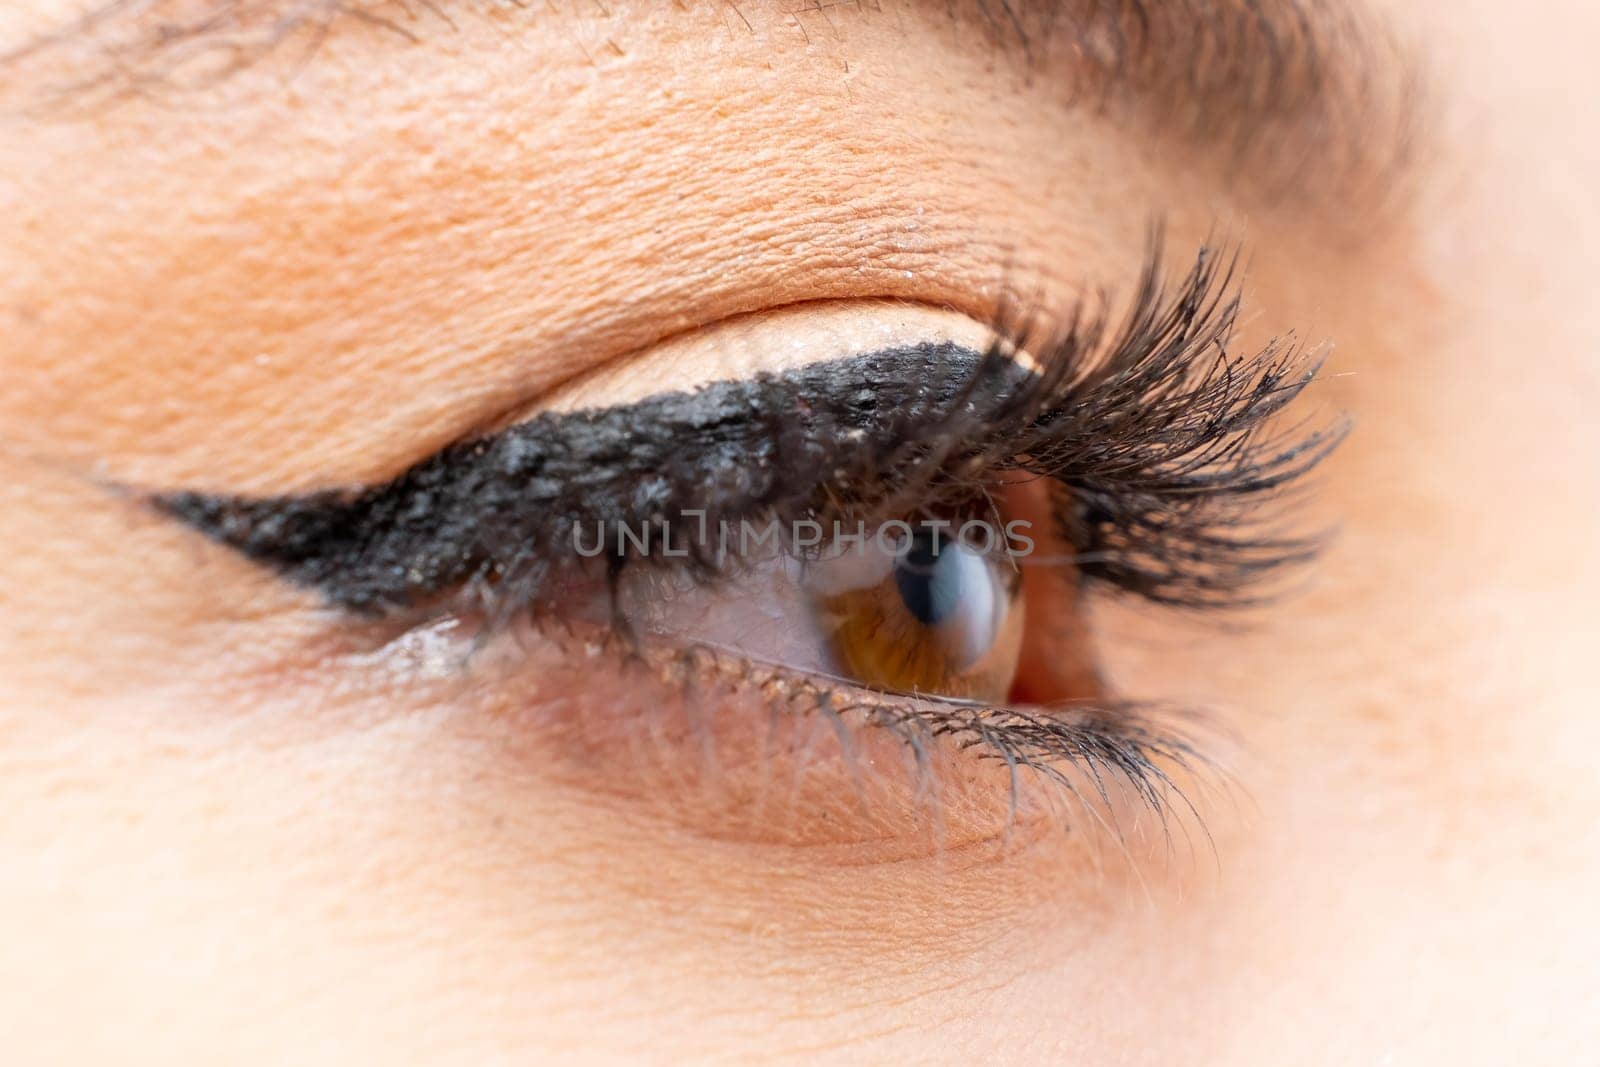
1131, 420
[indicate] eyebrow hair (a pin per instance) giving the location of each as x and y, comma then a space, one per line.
1292, 95
1298, 95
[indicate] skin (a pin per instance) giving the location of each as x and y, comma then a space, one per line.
228, 832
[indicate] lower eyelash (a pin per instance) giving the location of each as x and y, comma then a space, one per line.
1077, 762
1085, 751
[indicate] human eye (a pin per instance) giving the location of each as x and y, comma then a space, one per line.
874, 561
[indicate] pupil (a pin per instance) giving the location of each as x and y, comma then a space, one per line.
928, 577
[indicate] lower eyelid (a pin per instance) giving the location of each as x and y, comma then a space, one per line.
736, 751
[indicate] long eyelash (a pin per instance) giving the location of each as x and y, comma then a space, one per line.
1161, 443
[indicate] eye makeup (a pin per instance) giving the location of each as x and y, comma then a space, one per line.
731, 449
1155, 451
1157, 436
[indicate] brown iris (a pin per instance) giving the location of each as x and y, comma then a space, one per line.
933, 617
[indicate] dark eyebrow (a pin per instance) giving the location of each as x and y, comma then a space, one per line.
1298, 96
1290, 96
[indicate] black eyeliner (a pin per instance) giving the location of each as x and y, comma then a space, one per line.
733, 449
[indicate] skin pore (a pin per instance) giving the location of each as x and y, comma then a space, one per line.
230, 831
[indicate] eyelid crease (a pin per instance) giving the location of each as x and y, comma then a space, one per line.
741, 346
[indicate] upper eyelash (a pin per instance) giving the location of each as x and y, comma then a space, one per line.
1166, 444
1159, 438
